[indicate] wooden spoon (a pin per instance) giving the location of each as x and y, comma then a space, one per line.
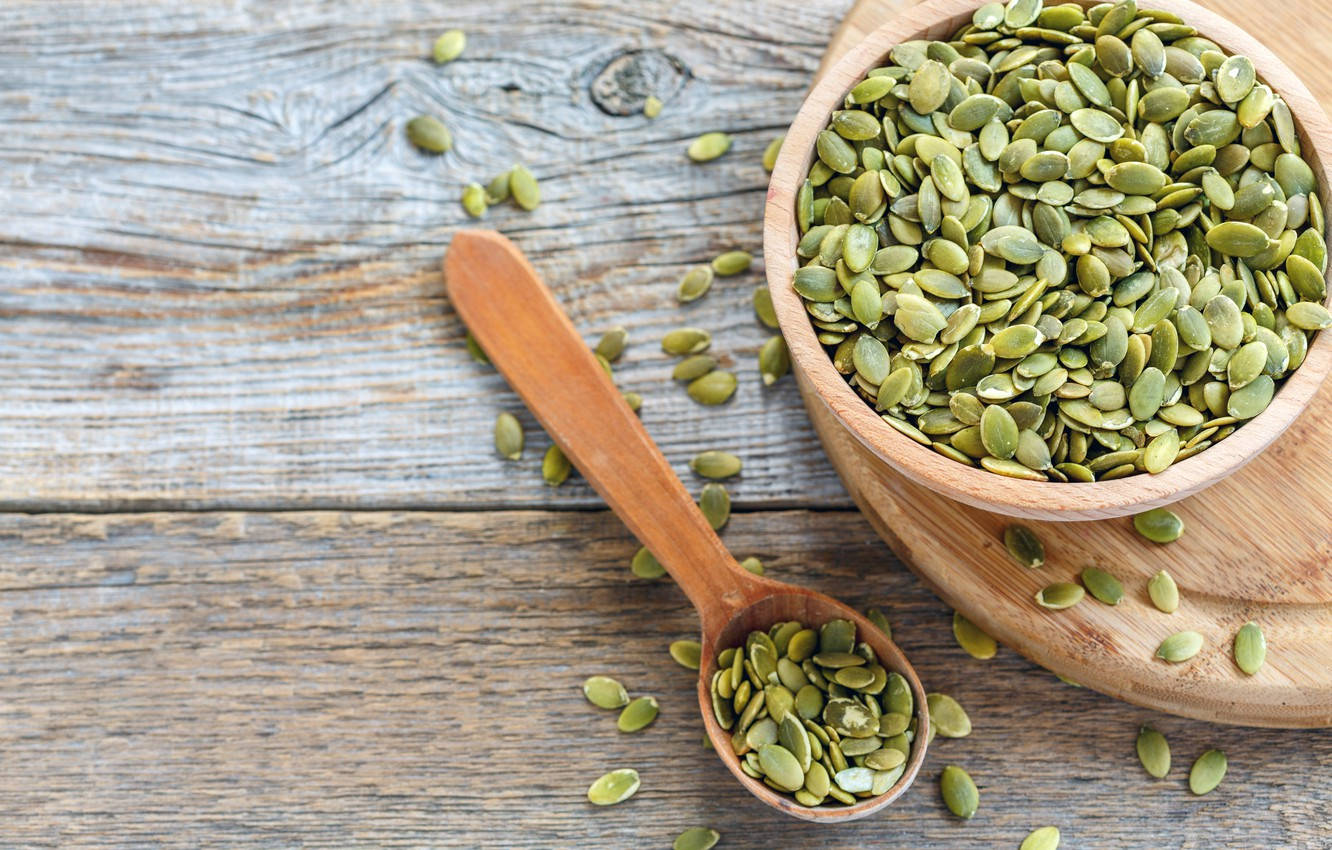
531, 341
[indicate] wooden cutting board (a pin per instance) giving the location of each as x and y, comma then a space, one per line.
1256, 547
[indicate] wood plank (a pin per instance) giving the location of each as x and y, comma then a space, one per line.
412, 679
219, 256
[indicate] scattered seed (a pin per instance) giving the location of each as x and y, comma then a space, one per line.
753, 565
1159, 525
1025, 547
686, 653
709, 146
693, 366
715, 464
1153, 752
638, 714
1181, 646
774, 360
947, 717
732, 263
880, 621
715, 503
614, 787
1250, 648
1045, 838
682, 341
1207, 772
555, 467
976, 642
508, 436
612, 343
695, 284
959, 791
696, 838
524, 188
449, 46
713, 388
474, 200
429, 134
645, 565
763, 307
770, 153
652, 106
605, 692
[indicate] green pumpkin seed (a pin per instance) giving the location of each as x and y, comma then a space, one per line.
1237, 239
555, 467
999, 433
1025, 547
1308, 316
652, 107
694, 366
763, 308
715, 465
771, 152
947, 716
753, 565
524, 188
474, 200
645, 565
774, 360
605, 692
1153, 752
959, 791
1179, 647
687, 653
975, 642
682, 341
1207, 772
1250, 648
732, 263
614, 787
449, 46
695, 284
638, 714
715, 503
1102, 585
708, 147
696, 838
429, 134
1060, 595
1045, 838
1159, 525
1235, 78
508, 436
1164, 592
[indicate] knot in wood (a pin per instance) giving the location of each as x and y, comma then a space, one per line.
624, 83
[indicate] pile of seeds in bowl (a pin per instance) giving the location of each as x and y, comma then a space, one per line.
813, 713
1069, 244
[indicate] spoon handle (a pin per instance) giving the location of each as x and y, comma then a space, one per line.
528, 337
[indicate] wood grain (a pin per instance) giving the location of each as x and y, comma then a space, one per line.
412, 679
219, 256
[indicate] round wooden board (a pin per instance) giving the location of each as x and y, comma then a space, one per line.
1257, 546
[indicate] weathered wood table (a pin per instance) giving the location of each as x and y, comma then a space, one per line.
265, 582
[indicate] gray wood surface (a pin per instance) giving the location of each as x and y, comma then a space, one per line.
219, 255
413, 679
220, 296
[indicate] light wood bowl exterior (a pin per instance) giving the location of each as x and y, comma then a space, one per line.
877, 445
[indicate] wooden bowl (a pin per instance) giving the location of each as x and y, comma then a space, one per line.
876, 444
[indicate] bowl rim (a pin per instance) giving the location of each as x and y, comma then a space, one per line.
973, 485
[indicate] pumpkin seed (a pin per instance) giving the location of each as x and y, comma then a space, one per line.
1250, 648
1159, 525
474, 200
959, 792
1060, 595
774, 360
638, 714
1025, 547
614, 787
1181, 646
555, 467
1102, 585
696, 838
651, 106
645, 565
1207, 772
708, 147
695, 284
715, 503
1164, 592
449, 46
753, 565
429, 134
763, 308
715, 464
771, 151
732, 263
682, 341
508, 436
712, 388
947, 716
975, 642
1153, 752
1045, 838
605, 692
524, 188
686, 653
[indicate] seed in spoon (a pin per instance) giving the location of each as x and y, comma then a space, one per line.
1164, 592
1025, 547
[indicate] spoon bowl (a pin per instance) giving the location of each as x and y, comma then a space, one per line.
531, 342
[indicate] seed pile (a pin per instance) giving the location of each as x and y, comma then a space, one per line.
813, 713
1068, 244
